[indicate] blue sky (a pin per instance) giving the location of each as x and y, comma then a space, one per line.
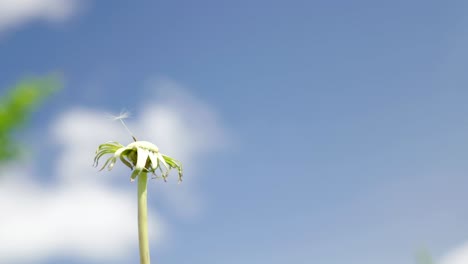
313, 131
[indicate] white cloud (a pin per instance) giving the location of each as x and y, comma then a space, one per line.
182, 123
88, 221
186, 128
81, 213
457, 256
14, 13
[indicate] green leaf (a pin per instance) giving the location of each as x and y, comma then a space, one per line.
16, 107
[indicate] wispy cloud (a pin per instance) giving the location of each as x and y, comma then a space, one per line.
187, 128
458, 255
19, 12
80, 213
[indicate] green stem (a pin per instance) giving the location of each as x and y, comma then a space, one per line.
143, 219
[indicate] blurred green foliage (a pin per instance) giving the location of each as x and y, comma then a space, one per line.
423, 257
17, 105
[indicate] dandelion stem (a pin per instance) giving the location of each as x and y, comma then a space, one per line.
143, 219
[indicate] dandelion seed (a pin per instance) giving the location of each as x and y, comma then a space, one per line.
124, 114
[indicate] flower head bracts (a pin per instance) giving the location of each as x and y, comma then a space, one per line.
139, 156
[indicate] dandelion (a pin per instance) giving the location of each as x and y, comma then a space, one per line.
139, 156
142, 157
